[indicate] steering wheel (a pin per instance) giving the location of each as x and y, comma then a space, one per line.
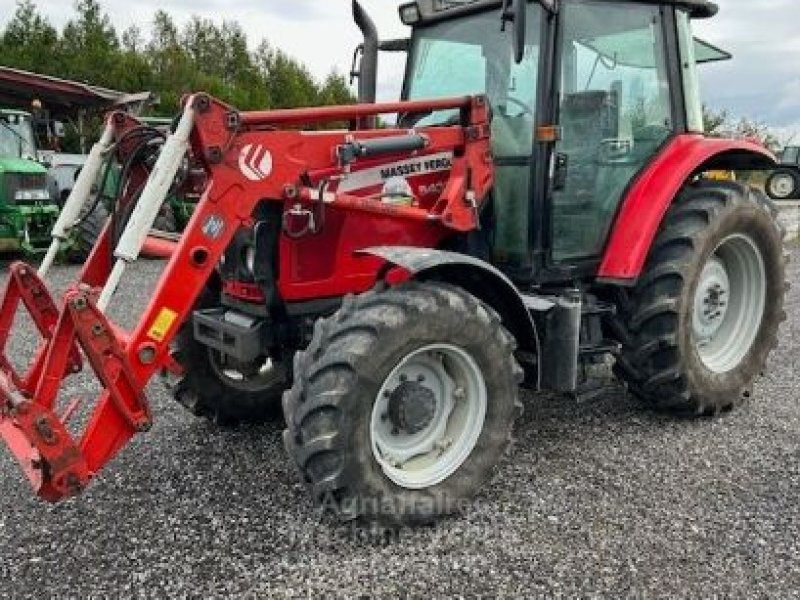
526, 110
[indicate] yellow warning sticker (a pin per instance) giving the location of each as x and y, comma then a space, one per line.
162, 324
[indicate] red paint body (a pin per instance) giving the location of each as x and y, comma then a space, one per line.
248, 161
325, 264
652, 194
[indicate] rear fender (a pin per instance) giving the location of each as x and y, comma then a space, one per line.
648, 200
479, 278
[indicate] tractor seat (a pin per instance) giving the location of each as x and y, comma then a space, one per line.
587, 119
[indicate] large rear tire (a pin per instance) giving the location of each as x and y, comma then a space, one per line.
698, 327
402, 404
224, 392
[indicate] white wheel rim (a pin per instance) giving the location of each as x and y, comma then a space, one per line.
428, 416
729, 303
263, 377
782, 185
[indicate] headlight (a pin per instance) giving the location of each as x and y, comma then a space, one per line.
32, 195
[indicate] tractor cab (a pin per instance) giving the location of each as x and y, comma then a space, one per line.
584, 93
16, 135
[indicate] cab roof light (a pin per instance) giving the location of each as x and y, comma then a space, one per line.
409, 14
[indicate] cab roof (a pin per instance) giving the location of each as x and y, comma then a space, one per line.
438, 10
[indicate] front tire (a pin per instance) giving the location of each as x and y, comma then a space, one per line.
224, 392
402, 404
698, 327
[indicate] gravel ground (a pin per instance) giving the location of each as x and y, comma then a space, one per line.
594, 499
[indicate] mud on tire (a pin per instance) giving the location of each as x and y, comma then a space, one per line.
329, 410
661, 360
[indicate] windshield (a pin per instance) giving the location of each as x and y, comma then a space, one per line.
16, 136
469, 56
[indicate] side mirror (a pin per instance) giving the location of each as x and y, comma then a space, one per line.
59, 130
515, 12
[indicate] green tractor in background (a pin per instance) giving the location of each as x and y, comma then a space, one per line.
27, 211
171, 221
177, 210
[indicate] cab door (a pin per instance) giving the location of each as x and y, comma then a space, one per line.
615, 112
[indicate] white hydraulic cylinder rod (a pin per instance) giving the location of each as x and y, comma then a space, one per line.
78, 197
147, 209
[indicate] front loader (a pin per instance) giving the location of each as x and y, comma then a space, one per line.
538, 208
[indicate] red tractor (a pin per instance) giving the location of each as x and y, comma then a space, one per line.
537, 209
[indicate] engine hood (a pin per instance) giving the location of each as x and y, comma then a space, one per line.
20, 165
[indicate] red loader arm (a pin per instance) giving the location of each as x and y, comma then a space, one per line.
248, 159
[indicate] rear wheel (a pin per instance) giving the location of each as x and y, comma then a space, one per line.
698, 327
783, 184
223, 390
402, 404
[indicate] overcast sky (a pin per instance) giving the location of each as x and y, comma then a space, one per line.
762, 82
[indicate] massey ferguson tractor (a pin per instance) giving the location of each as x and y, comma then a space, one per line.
535, 209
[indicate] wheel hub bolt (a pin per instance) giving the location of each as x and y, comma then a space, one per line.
459, 394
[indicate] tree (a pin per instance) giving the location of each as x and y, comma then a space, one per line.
203, 41
202, 56
720, 123
714, 121
335, 90
29, 40
132, 40
89, 45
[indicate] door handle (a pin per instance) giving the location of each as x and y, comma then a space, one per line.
560, 171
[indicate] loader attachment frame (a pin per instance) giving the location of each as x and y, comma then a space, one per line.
248, 160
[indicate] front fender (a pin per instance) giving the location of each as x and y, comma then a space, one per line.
651, 195
478, 277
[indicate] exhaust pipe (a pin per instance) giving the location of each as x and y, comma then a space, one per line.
368, 70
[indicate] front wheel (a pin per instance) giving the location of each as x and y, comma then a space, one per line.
699, 326
783, 184
216, 387
402, 404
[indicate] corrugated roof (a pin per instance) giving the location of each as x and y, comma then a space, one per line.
61, 97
